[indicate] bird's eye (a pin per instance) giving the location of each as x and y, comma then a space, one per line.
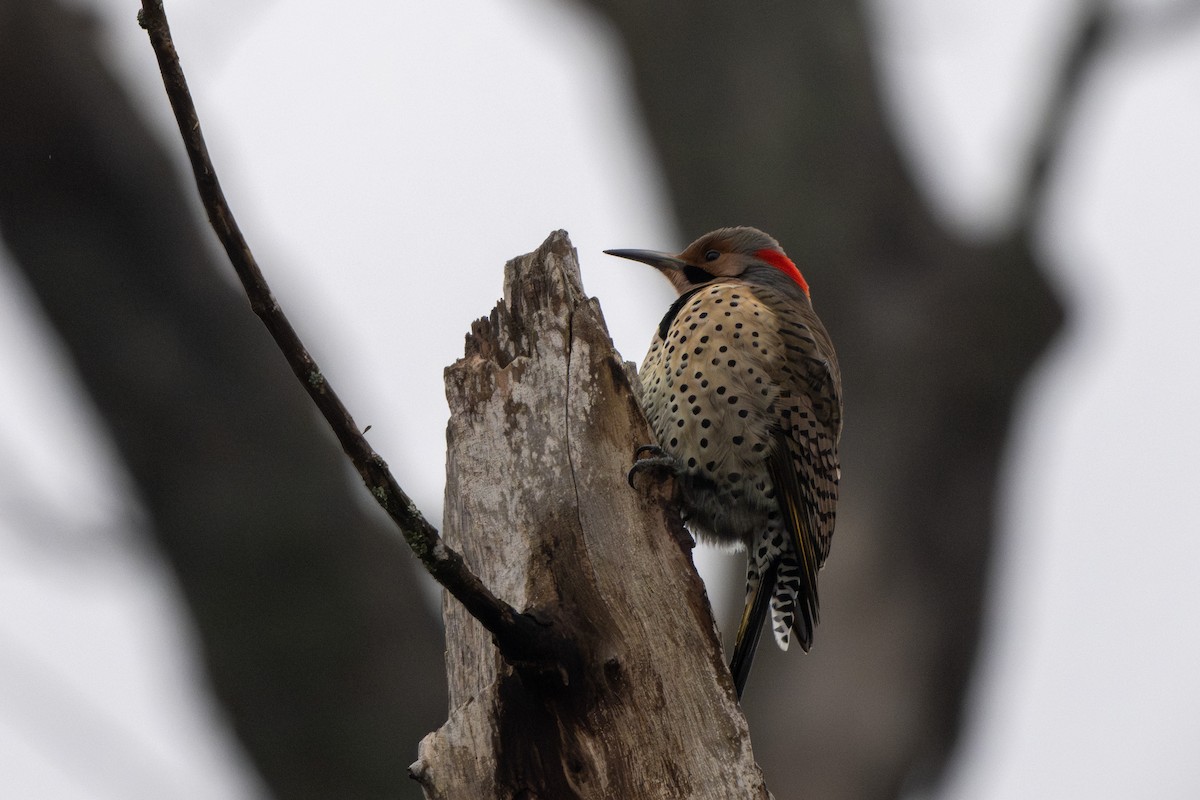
696, 275
712, 255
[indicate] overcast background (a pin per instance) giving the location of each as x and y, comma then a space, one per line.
386, 159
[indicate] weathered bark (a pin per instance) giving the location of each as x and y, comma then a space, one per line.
543, 429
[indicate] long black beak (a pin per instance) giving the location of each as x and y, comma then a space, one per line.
662, 261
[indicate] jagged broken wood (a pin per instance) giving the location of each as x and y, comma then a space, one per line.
543, 427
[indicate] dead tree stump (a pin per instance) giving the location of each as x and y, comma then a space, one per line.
543, 429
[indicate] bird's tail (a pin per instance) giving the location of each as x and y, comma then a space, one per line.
758, 604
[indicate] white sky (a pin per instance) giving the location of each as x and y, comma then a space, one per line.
385, 162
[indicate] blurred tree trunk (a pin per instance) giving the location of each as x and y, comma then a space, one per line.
313, 629
769, 114
543, 427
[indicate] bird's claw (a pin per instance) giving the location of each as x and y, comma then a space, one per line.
659, 461
653, 449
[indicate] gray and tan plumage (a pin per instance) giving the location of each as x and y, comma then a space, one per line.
742, 389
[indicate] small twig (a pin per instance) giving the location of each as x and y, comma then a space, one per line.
519, 637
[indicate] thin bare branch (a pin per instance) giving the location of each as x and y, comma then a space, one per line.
1100, 27
1090, 38
520, 638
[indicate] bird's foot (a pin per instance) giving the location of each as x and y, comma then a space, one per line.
658, 463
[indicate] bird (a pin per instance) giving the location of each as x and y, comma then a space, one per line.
742, 389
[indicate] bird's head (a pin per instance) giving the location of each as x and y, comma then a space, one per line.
723, 253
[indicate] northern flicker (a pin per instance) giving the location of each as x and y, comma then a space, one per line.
742, 389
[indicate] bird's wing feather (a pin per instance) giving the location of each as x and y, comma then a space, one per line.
811, 416
803, 460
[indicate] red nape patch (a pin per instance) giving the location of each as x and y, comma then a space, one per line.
781, 262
